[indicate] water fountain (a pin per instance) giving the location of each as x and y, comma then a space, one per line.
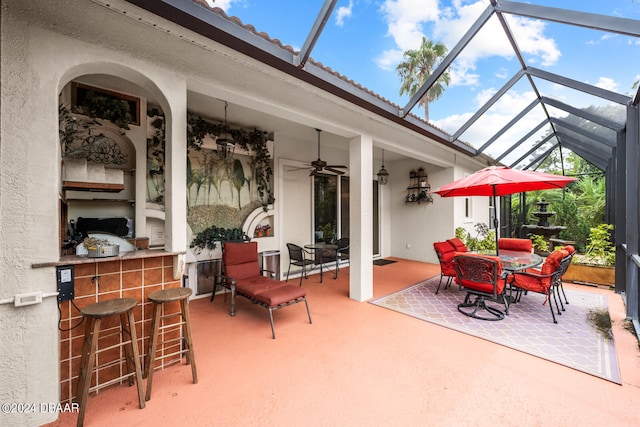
542, 227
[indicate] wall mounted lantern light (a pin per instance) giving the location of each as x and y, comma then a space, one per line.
383, 175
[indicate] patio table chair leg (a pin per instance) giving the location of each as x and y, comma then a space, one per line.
308, 312
557, 291
552, 313
273, 332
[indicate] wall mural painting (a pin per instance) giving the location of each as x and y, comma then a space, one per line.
220, 193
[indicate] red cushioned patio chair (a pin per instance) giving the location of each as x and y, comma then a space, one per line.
481, 276
543, 281
445, 252
244, 277
564, 266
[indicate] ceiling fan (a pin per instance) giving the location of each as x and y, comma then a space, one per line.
320, 165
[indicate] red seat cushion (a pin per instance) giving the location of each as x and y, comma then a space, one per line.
513, 244
536, 283
281, 295
458, 244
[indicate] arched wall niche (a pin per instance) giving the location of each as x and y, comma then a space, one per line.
131, 202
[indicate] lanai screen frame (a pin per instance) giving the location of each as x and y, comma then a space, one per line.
615, 158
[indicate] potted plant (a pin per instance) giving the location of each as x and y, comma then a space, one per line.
596, 266
211, 236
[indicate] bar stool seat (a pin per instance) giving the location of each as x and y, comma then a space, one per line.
159, 298
93, 314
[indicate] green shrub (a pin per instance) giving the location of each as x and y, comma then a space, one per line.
539, 243
600, 249
485, 239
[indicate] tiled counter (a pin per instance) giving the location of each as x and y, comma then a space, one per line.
129, 275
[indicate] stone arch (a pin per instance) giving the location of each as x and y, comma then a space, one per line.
122, 78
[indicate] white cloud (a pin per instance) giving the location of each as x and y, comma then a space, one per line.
531, 40
495, 118
343, 12
389, 59
608, 84
406, 20
222, 4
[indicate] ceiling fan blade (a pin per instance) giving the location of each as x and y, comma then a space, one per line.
334, 170
337, 166
297, 169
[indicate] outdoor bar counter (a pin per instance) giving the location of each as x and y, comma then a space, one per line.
133, 274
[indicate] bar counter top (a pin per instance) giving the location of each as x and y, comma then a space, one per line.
75, 259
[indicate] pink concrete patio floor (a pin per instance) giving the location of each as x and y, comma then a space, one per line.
360, 365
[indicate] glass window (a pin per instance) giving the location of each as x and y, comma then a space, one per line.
325, 207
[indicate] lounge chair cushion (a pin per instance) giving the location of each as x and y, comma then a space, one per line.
242, 265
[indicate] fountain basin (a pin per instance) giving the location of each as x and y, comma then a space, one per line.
546, 231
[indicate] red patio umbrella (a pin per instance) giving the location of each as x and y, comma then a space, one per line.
501, 181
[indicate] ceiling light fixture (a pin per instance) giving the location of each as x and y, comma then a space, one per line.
383, 175
225, 143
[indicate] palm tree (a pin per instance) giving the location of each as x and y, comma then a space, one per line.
418, 66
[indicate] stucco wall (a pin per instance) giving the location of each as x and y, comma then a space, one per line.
414, 226
35, 64
28, 206
45, 45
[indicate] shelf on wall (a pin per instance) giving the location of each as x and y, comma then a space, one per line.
419, 189
92, 186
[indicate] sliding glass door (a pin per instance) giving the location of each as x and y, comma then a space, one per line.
331, 209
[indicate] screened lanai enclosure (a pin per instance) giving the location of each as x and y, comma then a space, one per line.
578, 111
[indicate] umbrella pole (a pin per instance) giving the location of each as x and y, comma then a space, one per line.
495, 217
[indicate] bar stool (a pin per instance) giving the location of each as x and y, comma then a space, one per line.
93, 314
159, 298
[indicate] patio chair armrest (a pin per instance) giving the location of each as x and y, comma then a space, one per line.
222, 278
531, 274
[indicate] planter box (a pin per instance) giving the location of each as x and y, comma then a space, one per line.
590, 274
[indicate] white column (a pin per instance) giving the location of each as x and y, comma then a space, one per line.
176, 171
360, 218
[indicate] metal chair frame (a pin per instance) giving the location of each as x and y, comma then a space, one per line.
341, 253
481, 270
554, 277
297, 257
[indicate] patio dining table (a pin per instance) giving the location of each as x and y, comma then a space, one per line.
515, 261
518, 260
319, 250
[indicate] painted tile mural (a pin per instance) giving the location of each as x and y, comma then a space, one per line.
220, 193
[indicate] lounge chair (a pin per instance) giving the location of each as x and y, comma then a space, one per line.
242, 275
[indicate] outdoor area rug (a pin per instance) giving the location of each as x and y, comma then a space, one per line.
578, 340
383, 261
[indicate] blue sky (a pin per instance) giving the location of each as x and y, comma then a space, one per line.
364, 40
